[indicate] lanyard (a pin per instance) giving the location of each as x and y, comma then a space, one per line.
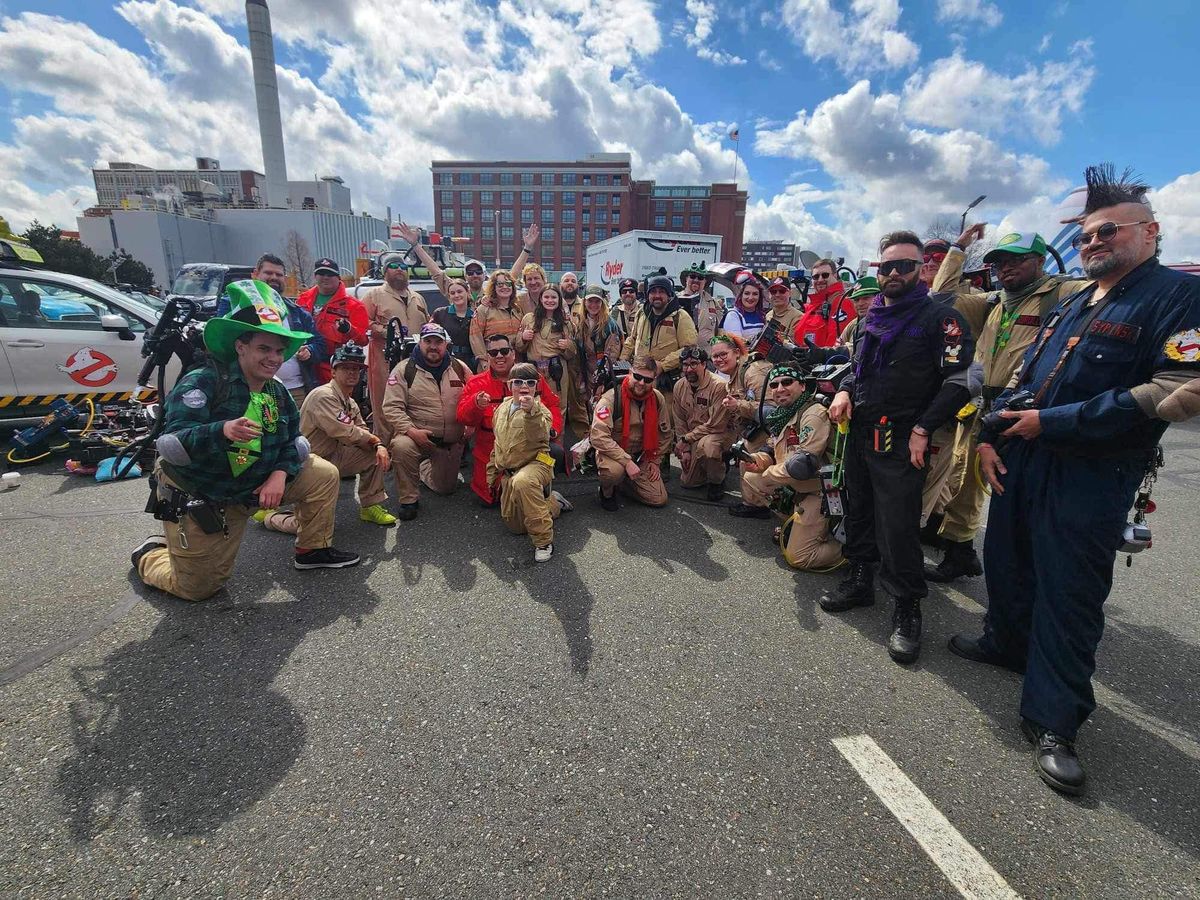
1072, 343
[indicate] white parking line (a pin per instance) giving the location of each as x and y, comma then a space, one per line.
961, 863
1110, 699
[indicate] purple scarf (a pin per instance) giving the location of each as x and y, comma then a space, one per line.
883, 324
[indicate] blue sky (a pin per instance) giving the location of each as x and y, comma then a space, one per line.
961, 97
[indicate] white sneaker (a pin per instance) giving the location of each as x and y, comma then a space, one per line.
543, 554
566, 504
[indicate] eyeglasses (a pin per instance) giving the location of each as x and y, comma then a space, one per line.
899, 266
500, 351
781, 382
523, 382
821, 276
644, 379
1105, 233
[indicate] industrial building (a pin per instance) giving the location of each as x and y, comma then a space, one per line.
486, 205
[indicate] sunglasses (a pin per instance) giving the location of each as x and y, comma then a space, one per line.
779, 290
504, 284
474, 271
1011, 261
644, 379
500, 351
395, 265
522, 382
1104, 233
821, 276
934, 257
899, 266
781, 382
629, 291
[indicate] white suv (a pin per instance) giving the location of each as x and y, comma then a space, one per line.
64, 336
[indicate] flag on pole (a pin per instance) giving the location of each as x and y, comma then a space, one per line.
733, 132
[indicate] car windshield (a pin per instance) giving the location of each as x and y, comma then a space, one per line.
199, 282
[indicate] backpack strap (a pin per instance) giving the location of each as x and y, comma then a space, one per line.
410, 372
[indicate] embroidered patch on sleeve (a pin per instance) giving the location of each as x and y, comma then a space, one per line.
1183, 346
195, 399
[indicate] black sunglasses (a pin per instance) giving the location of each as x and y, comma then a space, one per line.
500, 351
1105, 233
900, 266
821, 276
644, 379
781, 382
523, 382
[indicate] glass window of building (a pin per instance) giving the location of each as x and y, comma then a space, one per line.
677, 205
487, 178
587, 179
527, 197
526, 178
468, 232
569, 178
587, 199
487, 214
447, 196
506, 197
485, 197
488, 232
506, 177
548, 216
464, 178
616, 199
547, 178
448, 213
506, 233
587, 235
616, 218
445, 178
468, 214
568, 198
696, 221
466, 196
697, 206
618, 179
547, 198
676, 221
660, 221
601, 179
568, 234
587, 216
601, 233
568, 216
601, 215
506, 215
526, 216
548, 233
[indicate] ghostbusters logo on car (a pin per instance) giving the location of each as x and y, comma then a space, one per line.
89, 367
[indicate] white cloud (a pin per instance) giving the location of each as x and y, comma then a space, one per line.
527, 79
786, 217
1177, 207
768, 62
891, 174
865, 39
956, 92
703, 16
981, 11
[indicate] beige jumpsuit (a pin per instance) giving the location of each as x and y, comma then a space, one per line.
521, 457
335, 429
611, 456
702, 422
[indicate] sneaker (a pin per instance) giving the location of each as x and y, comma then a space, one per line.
326, 558
408, 512
566, 504
377, 515
543, 554
151, 543
260, 516
611, 504
746, 511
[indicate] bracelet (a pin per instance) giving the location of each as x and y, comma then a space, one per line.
958, 246
527, 249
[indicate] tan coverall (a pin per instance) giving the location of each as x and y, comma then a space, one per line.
195, 565
543, 347
428, 406
335, 429
702, 422
787, 321
709, 313
664, 342
382, 305
489, 320
809, 545
521, 457
964, 512
611, 457
577, 413
747, 386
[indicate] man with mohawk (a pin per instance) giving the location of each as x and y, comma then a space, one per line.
1108, 370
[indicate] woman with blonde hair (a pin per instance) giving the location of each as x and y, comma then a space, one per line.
547, 338
494, 315
599, 338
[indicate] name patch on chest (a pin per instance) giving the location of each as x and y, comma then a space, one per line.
454, 383
702, 401
1033, 321
1121, 331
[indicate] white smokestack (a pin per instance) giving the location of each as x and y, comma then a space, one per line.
266, 92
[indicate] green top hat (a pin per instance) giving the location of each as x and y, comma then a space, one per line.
253, 306
1017, 242
697, 268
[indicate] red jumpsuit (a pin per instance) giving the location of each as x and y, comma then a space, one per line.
480, 419
341, 306
825, 329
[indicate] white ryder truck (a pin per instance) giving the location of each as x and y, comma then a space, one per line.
636, 254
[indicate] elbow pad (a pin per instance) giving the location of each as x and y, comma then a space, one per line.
171, 449
303, 448
801, 466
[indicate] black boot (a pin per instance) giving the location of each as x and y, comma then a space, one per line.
975, 650
1055, 758
904, 646
929, 533
856, 589
960, 561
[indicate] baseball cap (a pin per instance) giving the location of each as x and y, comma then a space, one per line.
867, 286
779, 281
432, 329
627, 284
594, 290
326, 266
1019, 243
476, 264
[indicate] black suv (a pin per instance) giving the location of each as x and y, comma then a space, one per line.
206, 282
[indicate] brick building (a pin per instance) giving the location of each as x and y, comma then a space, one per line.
486, 205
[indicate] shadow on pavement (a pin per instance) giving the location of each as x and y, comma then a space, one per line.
666, 537
185, 725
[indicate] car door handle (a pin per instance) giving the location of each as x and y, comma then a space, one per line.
26, 342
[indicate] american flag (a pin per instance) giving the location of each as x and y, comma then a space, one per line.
733, 132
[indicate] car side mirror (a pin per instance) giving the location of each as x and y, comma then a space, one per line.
119, 324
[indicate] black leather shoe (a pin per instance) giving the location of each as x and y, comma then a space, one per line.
407, 511
715, 493
1055, 758
904, 645
611, 504
972, 649
960, 561
746, 511
929, 534
856, 589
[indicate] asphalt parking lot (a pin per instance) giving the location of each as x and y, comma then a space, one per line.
661, 711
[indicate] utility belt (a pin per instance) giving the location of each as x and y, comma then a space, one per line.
168, 503
551, 366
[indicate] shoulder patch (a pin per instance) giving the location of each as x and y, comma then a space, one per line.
1183, 346
805, 433
195, 399
392, 379
951, 330
344, 417
603, 412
